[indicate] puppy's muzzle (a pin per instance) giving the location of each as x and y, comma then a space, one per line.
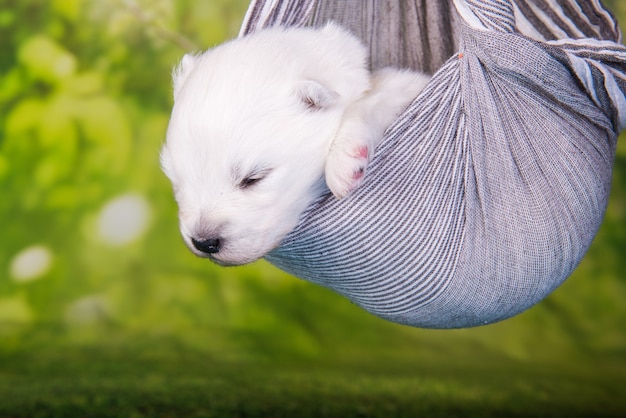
207, 246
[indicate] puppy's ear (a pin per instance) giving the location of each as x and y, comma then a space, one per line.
316, 96
181, 72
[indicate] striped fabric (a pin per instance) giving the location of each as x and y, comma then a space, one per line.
263, 14
488, 190
546, 20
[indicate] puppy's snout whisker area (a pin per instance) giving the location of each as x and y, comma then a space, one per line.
208, 246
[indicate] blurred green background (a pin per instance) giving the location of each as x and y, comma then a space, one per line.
93, 271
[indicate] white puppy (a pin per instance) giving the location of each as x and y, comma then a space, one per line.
256, 124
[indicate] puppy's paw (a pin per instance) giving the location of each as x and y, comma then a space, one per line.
346, 164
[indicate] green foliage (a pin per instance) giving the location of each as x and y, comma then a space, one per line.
84, 102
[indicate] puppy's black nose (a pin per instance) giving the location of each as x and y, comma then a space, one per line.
208, 246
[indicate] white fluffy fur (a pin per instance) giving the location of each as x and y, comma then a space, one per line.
259, 120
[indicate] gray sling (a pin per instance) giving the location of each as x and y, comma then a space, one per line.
488, 190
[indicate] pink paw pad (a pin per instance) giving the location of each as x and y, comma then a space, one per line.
362, 152
357, 175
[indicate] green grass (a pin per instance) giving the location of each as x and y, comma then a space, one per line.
161, 380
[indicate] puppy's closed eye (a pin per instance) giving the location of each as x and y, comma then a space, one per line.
253, 179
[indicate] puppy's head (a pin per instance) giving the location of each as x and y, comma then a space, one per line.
251, 125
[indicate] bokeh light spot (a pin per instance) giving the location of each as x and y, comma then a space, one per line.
31, 263
123, 220
88, 310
